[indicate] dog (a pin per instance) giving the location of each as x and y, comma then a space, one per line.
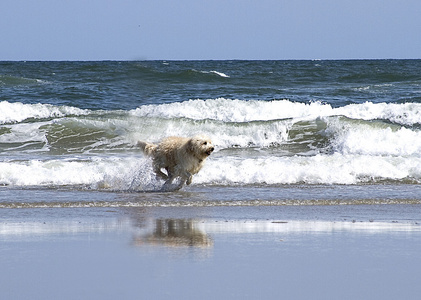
179, 156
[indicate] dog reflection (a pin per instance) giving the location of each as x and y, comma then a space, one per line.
175, 233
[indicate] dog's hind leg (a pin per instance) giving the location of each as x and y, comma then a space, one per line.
160, 174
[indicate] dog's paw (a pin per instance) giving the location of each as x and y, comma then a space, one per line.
189, 179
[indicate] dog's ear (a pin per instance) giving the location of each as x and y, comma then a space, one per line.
190, 145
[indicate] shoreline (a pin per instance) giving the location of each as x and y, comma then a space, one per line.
211, 195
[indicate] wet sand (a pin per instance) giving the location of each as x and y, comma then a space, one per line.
251, 252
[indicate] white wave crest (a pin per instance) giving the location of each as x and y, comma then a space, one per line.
17, 112
406, 113
220, 74
136, 173
370, 140
319, 169
118, 173
228, 110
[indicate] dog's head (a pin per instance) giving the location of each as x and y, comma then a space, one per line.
201, 146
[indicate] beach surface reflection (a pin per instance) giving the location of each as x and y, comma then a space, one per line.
317, 252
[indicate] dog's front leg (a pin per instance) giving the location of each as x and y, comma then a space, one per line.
167, 187
187, 177
180, 184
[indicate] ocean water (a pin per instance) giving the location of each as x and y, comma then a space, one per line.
285, 132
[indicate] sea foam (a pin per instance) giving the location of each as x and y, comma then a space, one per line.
369, 139
17, 112
97, 172
228, 110
257, 142
136, 174
234, 110
318, 169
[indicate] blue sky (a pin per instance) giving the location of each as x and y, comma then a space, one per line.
211, 29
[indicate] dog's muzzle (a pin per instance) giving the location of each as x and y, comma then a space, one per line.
210, 151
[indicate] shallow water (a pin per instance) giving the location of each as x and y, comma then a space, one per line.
247, 252
210, 196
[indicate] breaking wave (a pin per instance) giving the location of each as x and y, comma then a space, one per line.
257, 142
18, 112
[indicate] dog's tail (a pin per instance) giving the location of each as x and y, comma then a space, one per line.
146, 147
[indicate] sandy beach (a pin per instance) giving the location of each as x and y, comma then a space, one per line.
211, 252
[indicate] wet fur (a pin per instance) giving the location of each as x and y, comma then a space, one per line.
179, 156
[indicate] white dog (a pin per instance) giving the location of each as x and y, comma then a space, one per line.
179, 156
